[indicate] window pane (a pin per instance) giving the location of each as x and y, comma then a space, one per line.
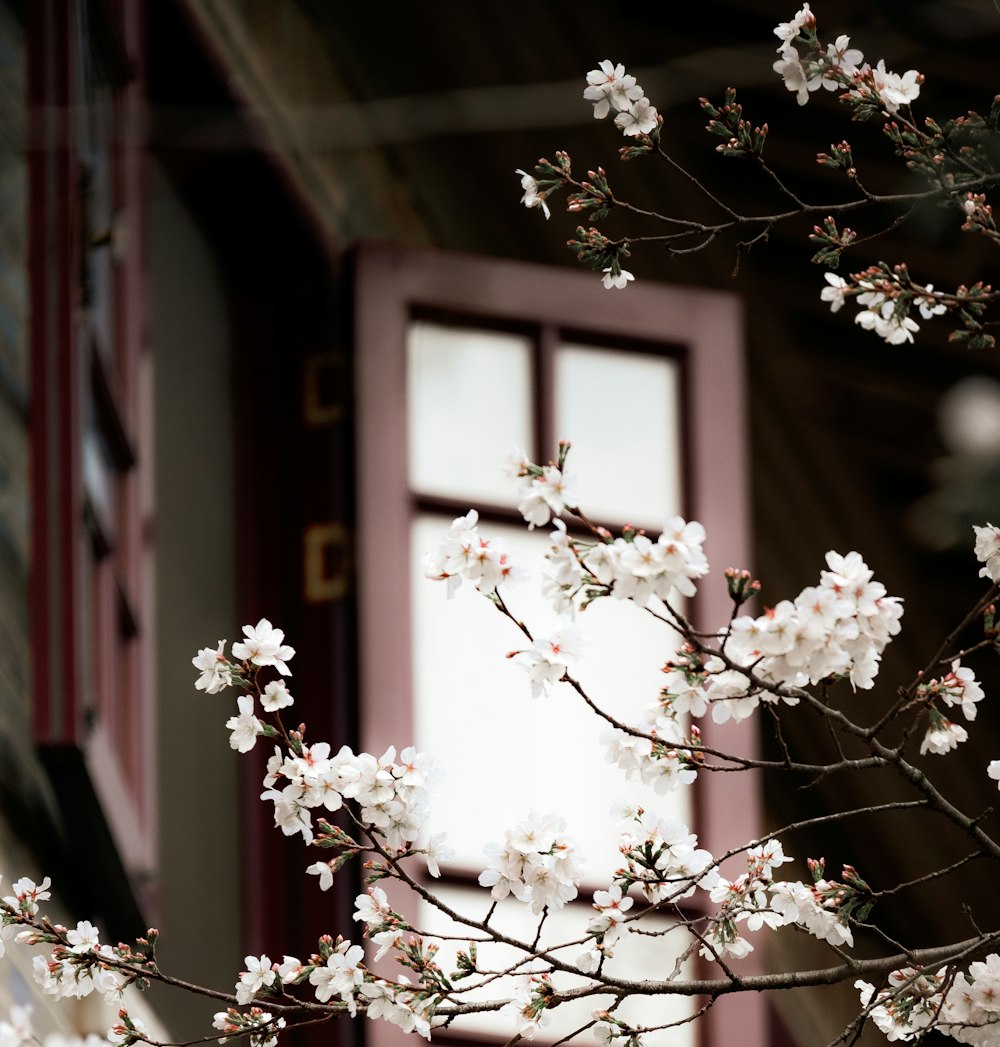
636, 957
505, 753
469, 401
620, 410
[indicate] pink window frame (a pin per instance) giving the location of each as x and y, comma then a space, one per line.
93, 713
703, 327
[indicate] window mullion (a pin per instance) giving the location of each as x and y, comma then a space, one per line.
545, 376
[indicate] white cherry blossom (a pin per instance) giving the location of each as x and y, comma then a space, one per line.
610, 86
895, 90
786, 32
258, 975
533, 195
276, 696
547, 660
245, 727
943, 736
988, 551
216, 672
640, 118
263, 645
611, 280
835, 293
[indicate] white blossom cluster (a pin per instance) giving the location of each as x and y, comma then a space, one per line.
881, 310
965, 1006
74, 969
662, 857
382, 925
744, 900
563, 575
465, 553
957, 688
610, 87
261, 1026
837, 67
545, 491
654, 763
812, 906
391, 797
884, 316
838, 628
549, 657
338, 973
641, 569
341, 975
755, 900
260, 974
528, 1006
610, 1030
633, 567
661, 756
606, 927
78, 965
398, 1004
988, 551
538, 864
262, 645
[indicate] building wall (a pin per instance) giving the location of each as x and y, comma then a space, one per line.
196, 576
196, 571
29, 821
14, 682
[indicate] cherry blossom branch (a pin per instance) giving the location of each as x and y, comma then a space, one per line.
956, 159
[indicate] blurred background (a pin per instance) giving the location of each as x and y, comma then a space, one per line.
227, 248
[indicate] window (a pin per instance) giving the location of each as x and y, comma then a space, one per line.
459, 358
90, 433
463, 688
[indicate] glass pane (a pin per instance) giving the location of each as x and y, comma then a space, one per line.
620, 410
469, 401
505, 753
636, 957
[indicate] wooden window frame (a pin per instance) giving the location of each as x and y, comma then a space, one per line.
93, 711
703, 329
